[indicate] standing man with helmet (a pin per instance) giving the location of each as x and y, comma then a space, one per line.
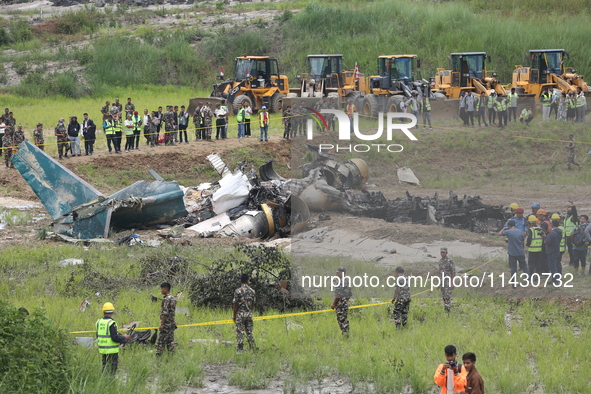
515, 238
512, 105
340, 304
108, 339
492, 99
546, 100
535, 245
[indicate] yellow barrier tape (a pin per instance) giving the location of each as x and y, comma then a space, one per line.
271, 317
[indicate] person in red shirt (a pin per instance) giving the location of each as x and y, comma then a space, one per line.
453, 370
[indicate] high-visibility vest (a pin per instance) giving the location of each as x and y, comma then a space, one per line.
512, 99
264, 118
491, 101
109, 127
546, 99
562, 240
578, 102
583, 99
136, 119
537, 240
412, 105
247, 114
426, 105
501, 105
525, 113
350, 110
241, 115
116, 127
479, 100
569, 225
103, 332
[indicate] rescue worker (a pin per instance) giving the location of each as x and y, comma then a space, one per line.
109, 128
570, 224
501, 109
526, 115
38, 136
570, 149
108, 339
167, 321
553, 241
243, 305
512, 104
118, 129
401, 298
425, 107
137, 129
350, 109
492, 98
581, 104
62, 139
241, 119
287, 118
562, 245
534, 243
340, 304
481, 103
546, 100
264, 124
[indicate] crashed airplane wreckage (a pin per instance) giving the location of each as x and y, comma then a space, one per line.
240, 204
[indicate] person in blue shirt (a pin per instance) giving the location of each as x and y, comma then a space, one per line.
515, 238
520, 221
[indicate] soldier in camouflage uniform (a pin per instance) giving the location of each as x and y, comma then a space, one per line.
129, 107
114, 110
62, 138
341, 301
19, 136
8, 143
287, 119
118, 105
38, 136
447, 268
570, 149
168, 119
206, 114
401, 298
167, 322
244, 299
10, 122
197, 121
303, 118
319, 106
5, 115
294, 119
105, 110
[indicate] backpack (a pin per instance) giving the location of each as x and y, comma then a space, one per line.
580, 240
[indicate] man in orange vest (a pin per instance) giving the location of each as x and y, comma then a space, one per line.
351, 109
451, 376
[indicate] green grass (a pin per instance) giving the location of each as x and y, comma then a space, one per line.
376, 355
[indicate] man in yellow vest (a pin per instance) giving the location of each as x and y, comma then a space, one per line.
546, 99
570, 224
108, 339
109, 127
425, 107
562, 246
512, 104
501, 110
534, 243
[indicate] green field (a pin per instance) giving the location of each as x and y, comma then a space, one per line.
519, 342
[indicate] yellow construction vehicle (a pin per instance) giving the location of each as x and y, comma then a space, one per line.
546, 70
326, 77
256, 80
398, 76
467, 72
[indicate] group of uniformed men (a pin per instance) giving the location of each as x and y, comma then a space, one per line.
295, 117
10, 137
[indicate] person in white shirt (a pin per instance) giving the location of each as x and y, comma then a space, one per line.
220, 122
2, 127
147, 119
128, 127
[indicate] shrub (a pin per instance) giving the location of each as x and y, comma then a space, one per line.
20, 31
4, 37
38, 85
74, 22
35, 354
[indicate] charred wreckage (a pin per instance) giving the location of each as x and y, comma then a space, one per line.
242, 203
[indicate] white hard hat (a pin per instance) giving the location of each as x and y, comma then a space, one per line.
492, 91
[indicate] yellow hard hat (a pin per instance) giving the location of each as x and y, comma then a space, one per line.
555, 216
532, 218
108, 307
514, 205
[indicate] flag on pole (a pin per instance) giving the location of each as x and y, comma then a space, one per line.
356, 72
221, 72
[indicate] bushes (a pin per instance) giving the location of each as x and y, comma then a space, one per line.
74, 22
34, 353
38, 85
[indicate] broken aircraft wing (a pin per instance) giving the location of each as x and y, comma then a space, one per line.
81, 211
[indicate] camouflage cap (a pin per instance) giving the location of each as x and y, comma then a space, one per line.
443, 250
341, 269
39, 124
19, 127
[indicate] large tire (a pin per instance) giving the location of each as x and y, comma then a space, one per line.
237, 104
393, 104
276, 103
370, 107
357, 98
